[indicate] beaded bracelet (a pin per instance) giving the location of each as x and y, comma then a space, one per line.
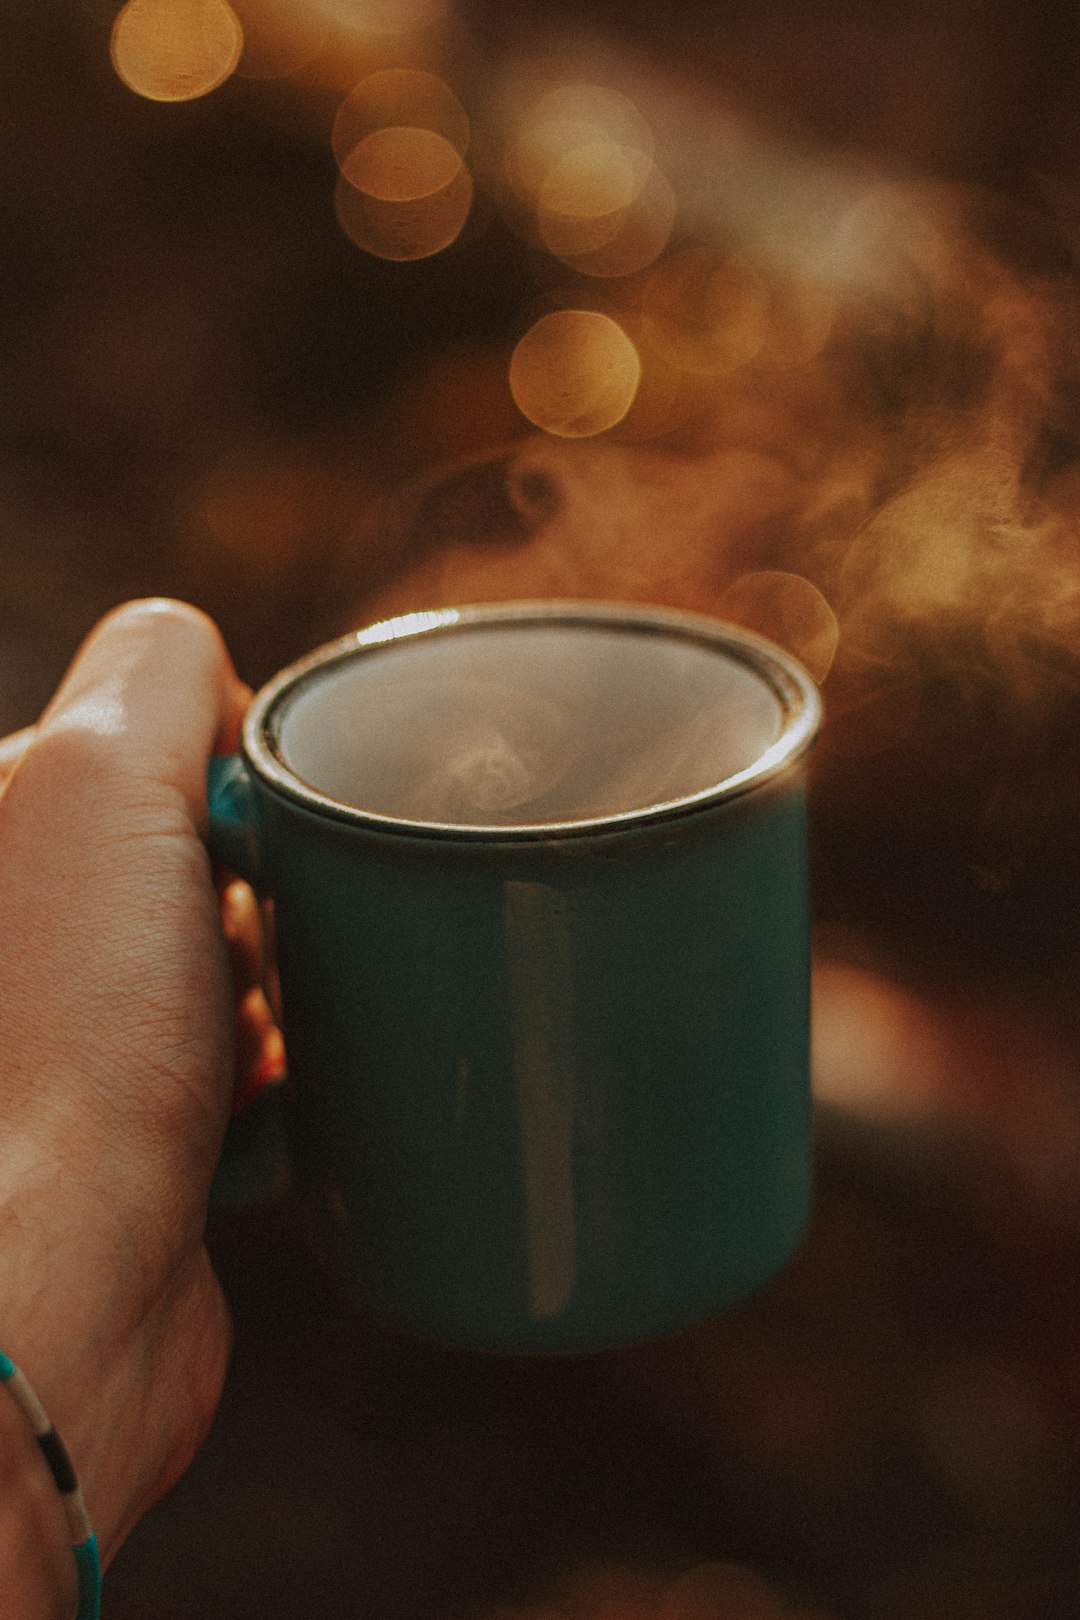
83, 1540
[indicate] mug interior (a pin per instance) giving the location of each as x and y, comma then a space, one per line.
503, 721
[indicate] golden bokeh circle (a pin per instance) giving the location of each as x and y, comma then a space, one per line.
660, 403
620, 244
790, 610
399, 98
575, 373
593, 180
707, 312
175, 50
564, 119
402, 165
385, 18
414, 228
280, 39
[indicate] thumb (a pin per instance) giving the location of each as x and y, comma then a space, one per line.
153, 690
112, 963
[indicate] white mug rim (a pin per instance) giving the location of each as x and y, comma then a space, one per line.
791, 684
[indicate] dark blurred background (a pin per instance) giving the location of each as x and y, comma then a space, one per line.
815, 366
845, 255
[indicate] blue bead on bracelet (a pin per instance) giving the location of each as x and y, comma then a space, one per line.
83, 1540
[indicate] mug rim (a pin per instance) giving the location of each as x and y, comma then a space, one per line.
791, 685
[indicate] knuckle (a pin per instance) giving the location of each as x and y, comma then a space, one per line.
67, 756
79, 769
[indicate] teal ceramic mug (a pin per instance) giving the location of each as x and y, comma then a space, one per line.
540, 891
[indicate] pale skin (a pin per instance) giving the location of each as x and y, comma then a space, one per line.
118, 1029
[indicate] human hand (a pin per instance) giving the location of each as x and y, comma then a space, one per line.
117, 1035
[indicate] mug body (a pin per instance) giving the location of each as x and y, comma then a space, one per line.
552, 1082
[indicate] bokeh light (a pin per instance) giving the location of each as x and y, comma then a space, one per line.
398, 98
617, 244
887, 247
402, 164
175, 50
381, 18
596, 181
660, 404
707, 312
721, 1591
565, 120
575, 373
280, 37
580, 178
802, 318
266, 505
790, 611
412, 228
399, 137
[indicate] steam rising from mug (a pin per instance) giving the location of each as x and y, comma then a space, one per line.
525, 725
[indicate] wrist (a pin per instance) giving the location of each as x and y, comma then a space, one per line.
67, 1322
37, 1570
128, 1366
120, 1328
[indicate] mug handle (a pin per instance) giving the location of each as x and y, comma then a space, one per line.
232, 833
255, 1160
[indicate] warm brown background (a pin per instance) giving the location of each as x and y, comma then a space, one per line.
205, 390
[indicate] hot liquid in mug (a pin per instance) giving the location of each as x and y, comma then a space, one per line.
540, 890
